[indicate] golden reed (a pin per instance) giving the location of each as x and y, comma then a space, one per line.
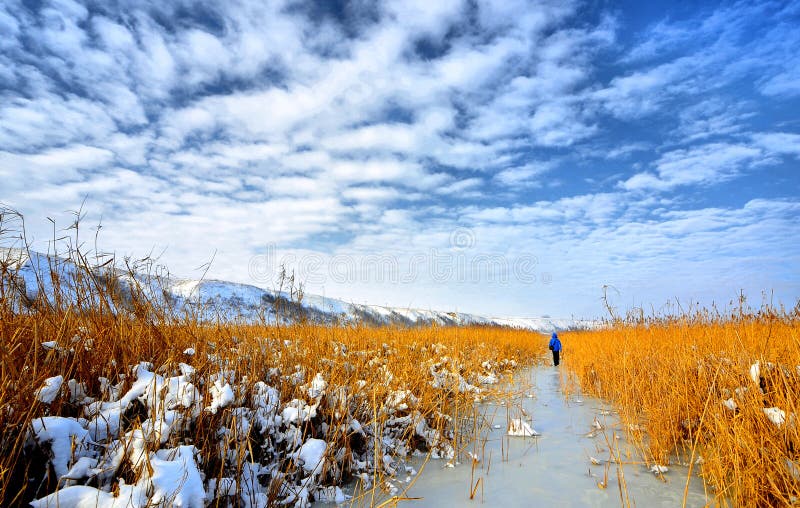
716, 391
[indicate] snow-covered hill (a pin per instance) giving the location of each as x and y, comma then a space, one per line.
30, 273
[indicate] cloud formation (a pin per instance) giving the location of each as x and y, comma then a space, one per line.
613, 150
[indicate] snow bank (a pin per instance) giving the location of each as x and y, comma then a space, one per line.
60, 434
80, 496
267, 447
172, 479
214, 299
176, 479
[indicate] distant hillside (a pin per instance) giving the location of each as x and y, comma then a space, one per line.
31, 273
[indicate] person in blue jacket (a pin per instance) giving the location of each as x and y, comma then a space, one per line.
555, 347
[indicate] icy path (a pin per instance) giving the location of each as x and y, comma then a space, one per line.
553, 469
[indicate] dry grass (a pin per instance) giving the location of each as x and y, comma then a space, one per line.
101, 333
671, 378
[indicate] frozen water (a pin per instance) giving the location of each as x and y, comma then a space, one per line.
555, 468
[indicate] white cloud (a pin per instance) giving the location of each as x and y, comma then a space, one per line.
123, 105
50, 120
299, 186
779, 142
525, 175
113, 35
705, 164
470, 68
468, 187
687, 58
154, 66
588, 208
29, 176
130, 150
179, 124
559, 125
783, 84
257, 124
371, 194
383, 137
661, 37
203, 54
423, 17
374, 170
626, 150
74, 157
644, 92
711, 118
645, 181
546, 103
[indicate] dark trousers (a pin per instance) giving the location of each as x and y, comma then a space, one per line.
555, 357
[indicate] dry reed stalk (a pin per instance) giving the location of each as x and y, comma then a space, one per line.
104, 331
698, 388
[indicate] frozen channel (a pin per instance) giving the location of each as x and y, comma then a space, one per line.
554, 468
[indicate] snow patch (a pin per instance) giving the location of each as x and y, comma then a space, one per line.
775, 415
221, 396
311, 456
520, 428
61, 434
50, 390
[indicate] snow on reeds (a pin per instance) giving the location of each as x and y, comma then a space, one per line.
718, 392
109, 399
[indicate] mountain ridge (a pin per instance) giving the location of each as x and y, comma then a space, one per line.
219, 299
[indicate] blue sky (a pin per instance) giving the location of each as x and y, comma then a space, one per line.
504, 158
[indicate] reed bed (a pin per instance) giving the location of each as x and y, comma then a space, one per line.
245, 398
715, 391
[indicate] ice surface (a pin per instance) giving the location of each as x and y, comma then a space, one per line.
554, 469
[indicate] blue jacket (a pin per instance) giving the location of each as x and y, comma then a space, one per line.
555, 343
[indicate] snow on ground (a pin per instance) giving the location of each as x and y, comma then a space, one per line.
186, 289
294, 457
311, 456
60, 434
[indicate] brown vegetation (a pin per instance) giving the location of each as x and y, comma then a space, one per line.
716, 391
101, 332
